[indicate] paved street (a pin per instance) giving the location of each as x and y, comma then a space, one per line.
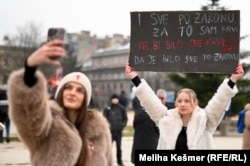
15, 153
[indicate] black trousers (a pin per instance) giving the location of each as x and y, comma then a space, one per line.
117, 137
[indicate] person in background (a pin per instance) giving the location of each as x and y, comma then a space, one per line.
241, 118
62, 131
117, 118
246, 131
146, 133
228, 112
123, 99
162, 95
4, 116
94, 104
136, 105
187, 126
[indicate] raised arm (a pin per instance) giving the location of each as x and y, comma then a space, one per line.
220, 101
27, 94
146, 95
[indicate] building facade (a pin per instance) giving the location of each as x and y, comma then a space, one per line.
106, 71
103, 61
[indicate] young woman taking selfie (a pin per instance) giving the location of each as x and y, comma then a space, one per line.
60, 132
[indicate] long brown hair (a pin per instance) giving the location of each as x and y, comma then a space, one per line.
80, 124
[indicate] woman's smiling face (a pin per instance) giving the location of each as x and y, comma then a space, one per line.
73, 96
186, 101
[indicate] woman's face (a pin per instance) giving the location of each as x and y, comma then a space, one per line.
73, 96
185, 104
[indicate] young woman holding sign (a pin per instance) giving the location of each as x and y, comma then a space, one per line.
187, 126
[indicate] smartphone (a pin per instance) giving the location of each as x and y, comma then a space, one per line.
57, 33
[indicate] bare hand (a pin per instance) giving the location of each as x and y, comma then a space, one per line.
45, 53
129, 71
239, 72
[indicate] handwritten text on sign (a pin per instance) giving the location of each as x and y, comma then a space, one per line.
185, 41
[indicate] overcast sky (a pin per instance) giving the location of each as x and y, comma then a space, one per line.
100, 17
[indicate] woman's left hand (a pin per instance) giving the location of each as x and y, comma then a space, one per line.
239, 72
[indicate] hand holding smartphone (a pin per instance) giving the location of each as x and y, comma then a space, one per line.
56, 33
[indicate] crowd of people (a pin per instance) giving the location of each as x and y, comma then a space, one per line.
68, 130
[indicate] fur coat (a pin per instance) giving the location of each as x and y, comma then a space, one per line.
246, 132
50, 138
202, 124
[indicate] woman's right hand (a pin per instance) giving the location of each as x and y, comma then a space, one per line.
45, 53
129, 71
